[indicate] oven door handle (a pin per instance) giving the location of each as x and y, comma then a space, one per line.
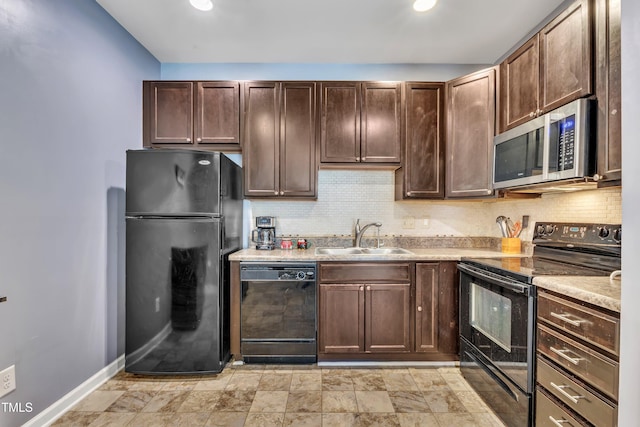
498, 281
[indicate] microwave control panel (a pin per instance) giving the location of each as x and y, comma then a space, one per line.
566, 142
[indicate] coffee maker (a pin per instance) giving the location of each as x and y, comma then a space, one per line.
264, 236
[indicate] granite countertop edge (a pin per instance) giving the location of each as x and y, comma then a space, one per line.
598, 291
418, 254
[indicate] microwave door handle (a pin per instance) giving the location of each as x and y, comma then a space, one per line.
546, 140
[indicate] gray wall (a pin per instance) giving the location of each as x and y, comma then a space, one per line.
630, 344
70, 105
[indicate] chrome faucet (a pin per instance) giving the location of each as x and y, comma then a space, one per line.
360, 231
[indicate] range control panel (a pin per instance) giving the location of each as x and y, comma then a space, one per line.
579, 233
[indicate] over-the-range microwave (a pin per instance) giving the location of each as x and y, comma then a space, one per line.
557, 146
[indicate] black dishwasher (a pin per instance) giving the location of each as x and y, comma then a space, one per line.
278, 312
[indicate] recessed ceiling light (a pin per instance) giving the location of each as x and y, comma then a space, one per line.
423, 5
203, 5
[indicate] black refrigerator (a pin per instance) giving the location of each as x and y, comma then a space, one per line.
183, 220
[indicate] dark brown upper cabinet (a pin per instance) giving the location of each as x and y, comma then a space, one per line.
421, 175
607, 76
360, 122
471, 111
202, 115
279, 150
550, 70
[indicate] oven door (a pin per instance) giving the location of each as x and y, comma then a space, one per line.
497, 318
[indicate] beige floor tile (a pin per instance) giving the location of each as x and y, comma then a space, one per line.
180, 385
152, 419
458, 420
374, 401
264, 420
76, 419
275, 381
408, 401
269, 401
430, 380
166, 401
199, 401
306, 380
418, 420
113, 419
235, 401
338, 420
456, 382
302, 420
368, 380
147, 384
226, 419
337, 380
304, 401
215, 383
472, 401
98, 401
377, 420
399, 381
132, 401
339, 401
244, 381
444, 401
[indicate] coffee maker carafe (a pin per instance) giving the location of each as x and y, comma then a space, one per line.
264, 236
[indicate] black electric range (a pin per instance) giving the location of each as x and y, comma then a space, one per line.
562, 249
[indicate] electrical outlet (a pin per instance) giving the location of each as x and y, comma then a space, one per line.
425, 222
8, 380
408, 222
157, 304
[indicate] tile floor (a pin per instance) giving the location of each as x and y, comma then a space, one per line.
297, 396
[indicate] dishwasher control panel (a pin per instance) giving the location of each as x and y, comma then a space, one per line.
250, 271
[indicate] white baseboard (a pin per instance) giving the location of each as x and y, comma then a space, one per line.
57, 409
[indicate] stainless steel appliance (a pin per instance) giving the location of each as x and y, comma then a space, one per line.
264, 236
497, 310
554, 148
183, 219
278, 312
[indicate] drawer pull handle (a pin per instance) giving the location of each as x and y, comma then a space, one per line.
561, 353
558, 422
564, 318
561, 388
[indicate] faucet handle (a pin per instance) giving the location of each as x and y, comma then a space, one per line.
357, 225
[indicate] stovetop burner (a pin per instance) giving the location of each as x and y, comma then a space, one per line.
563, 249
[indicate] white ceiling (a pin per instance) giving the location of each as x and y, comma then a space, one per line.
329, 31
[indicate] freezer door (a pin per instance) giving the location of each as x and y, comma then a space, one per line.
173, 182
175, 301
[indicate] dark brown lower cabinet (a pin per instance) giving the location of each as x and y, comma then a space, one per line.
387, 311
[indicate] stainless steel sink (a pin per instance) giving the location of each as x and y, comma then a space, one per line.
362, 251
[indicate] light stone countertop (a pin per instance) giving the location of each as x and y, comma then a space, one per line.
419, 254
594, 290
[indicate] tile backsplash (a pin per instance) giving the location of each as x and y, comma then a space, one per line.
345, 195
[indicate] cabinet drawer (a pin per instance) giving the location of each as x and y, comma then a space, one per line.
576, 397
548, 414
590, 325
365, 272
595, 369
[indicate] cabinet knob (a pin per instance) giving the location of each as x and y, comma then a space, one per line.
419, 308
597, 177
357, 159
188, 139
532, 114
364, 159
362, 288
199, 139
282, 193
275, 192
368, 288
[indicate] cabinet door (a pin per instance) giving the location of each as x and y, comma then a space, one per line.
519, 85
565, 57
387, 324
217, 113
340, 122
607, 77
381, 122
470, 131
168, 113
298, 139
261, 152
340, 318
427, 307
422, 171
